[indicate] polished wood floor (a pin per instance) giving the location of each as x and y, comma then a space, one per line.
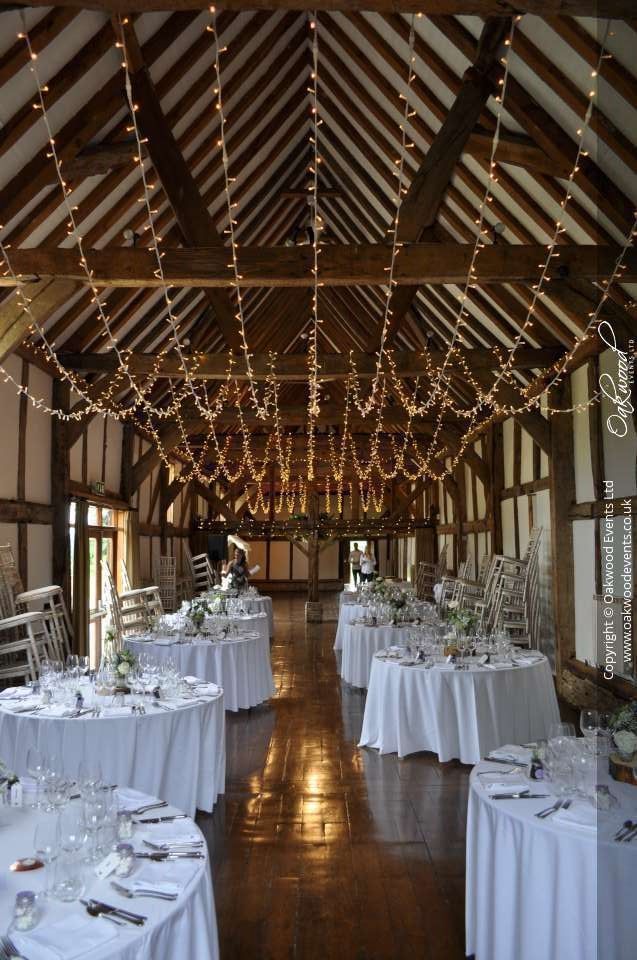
322, 850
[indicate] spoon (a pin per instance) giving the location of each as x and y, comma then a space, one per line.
96, 912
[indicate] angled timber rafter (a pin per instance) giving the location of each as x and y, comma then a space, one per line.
185, 199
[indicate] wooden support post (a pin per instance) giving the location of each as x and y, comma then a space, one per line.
163, 510
494, 509
562, 489
60, 468
313, 607
23, 557
128, 452
460, 508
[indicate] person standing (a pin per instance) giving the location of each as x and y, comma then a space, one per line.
355, 563
368, 562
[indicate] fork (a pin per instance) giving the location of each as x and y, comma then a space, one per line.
142, 893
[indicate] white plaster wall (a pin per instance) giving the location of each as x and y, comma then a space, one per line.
584, 567
299, 564
280, 560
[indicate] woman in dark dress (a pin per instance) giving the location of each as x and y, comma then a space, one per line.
238, 568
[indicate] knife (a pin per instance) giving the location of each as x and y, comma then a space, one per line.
521, 796
137, 918
175, 816
167, 855
509, 763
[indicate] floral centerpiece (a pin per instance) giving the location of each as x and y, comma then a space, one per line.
464, 621
7, 779
623, 728
197, 611
115, 665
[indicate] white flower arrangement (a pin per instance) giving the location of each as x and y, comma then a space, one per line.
626, 742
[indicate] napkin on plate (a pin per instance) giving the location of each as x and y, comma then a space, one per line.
166, 877
177, 703
116, 712
166, 641
20, 706
513, 753
129, 798
499, 787
498, 666
583, 816
57, 710
172, 835
73, 936
9, 693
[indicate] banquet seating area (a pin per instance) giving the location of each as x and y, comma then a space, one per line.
318, 483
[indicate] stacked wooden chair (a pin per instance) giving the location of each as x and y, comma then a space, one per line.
131, 595
127, 611
429, 574
166, 580
27, 635
201, 572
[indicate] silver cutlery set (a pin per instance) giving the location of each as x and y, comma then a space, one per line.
627, 832
549, 811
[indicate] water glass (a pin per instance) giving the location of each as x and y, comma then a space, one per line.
46, 844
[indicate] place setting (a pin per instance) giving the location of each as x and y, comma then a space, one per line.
98, 869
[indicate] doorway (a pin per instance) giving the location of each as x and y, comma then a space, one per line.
351, 547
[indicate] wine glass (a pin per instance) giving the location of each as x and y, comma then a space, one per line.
35, 769
589, 722
89, 776
46, 843
557, 730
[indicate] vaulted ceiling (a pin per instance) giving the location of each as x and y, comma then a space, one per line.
362, 74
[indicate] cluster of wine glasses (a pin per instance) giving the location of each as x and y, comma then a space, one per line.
78, 825
60, 680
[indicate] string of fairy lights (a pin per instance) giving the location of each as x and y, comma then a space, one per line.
217, 461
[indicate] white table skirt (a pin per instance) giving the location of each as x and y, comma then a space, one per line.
360, 643
458, 714
242, 666
186, 927
178, 755
348, 612
260, 604
539, 889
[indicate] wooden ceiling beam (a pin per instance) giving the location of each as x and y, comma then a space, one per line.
341, 265
616, 9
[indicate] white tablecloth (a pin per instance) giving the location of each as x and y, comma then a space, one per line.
260, 604
250, 623
178, 755
242, 666
458, 714
545, 890
360, 643
347, 613
185, 928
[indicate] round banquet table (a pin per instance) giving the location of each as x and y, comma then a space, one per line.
246, 623
348, 612
178, 754
186, 927
240, 666
551, 888
360, 643
458, 714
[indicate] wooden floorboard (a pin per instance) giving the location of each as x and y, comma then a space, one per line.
322, 850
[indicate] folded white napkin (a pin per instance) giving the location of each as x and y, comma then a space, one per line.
498, 666
116, 712
166, 641
169, 877
580, 815
176, 704
18, 706
511, 751
497, 788
73, 936
56, 710
10, 692
128, 798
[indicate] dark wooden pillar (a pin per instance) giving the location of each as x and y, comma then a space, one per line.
60, 469
128, 453
163, 510
313, 607
496, 463
562, 490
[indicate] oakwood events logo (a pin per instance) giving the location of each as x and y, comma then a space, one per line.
618, 388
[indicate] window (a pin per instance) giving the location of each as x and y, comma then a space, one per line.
103, 548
